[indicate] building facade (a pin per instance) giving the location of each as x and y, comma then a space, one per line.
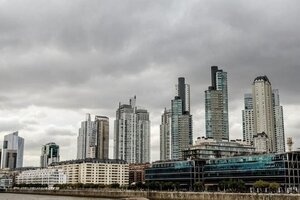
49, 154
248, 121
132, 133
216, 106
137, 172
93, 138
263, 113
261, 142
282, 168
102, 136
205, 148
263, 109
165, 135
181, 120
12, 152
48, 176
183, 173
279, 123
95, 171
86, 140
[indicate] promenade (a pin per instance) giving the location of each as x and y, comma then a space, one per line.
158, 195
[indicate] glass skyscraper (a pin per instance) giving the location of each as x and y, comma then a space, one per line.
181, 120
12, 152
49, 154
216, 106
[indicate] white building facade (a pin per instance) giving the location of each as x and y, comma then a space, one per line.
279, 123
132, 133
165, 135
49, 176
261, 142
93, 138
263, 110
248, 121
94, 171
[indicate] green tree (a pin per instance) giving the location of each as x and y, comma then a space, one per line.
274, 187
199, 186
261, 185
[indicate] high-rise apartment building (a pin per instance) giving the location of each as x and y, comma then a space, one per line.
12, 152
248, 121
181, 120
264, 114
279, 123
165, 135
86, 140
101, 126
263, 109
132, 133
49, 154
183, 92
216, 106
93, 138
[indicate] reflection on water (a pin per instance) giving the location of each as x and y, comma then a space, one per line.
7, 196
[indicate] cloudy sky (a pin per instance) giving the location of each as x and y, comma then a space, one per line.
60, 59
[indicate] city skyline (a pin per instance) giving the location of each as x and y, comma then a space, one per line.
57, 65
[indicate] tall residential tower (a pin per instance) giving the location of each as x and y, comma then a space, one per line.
181, 120
93, 138
165, 135
216, 106
132, 133
264, 114
263, 109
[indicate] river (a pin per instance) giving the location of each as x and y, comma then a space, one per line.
9, 196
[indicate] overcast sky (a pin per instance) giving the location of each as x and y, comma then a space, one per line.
60, 59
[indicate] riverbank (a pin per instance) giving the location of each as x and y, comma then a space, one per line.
157, 195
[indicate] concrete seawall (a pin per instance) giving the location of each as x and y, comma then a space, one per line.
155, 195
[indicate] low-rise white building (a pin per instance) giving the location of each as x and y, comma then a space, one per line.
49, 176
95, 171
261, 142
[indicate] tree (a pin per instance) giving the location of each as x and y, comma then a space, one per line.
261, 185
199, 186
274, 186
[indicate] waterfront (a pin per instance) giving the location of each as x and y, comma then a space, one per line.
9, 196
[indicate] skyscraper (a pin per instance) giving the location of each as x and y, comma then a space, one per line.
181, 120
248, 121
216, 106
49, 154
12, 152
93, 138
101, 125
263, 109
183, 92
86, 140
165, 135
264, 114
132, 133
279, 123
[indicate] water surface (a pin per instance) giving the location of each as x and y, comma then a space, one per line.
9, 196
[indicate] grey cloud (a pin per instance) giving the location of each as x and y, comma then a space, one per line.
90, 55
57, 131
